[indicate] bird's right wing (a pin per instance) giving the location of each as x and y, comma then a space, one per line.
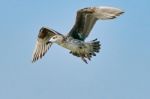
87, 17
42, 44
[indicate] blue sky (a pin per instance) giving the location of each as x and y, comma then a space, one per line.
120, 71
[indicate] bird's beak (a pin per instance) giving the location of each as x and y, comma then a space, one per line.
51, 40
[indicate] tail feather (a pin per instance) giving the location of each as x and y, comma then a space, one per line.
93, 48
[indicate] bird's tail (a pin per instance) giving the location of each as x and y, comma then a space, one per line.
90, 50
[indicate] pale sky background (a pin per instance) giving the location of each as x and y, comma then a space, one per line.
120, 71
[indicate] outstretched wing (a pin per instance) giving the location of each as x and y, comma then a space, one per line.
42, 43
87, 17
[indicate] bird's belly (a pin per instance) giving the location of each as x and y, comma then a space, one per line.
73, 45
70, 46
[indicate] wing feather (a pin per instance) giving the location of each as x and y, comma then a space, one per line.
87, 17
42, 44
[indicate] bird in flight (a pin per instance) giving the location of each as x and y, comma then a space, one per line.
75, 39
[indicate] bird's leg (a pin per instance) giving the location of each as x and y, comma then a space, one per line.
88, 56
84, 59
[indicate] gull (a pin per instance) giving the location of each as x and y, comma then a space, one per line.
74, 41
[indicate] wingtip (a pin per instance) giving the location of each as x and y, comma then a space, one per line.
122, 12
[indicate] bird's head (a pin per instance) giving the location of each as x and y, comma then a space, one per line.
56, 39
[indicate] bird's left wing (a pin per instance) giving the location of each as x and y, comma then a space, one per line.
87, 17
42, 44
